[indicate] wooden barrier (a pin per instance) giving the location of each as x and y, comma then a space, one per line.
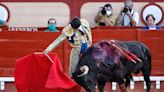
155, 41
14, 45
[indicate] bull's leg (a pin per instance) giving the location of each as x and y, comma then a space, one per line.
118, 75
147, 80
120, 79
146, 69
101, 86
122, 87
127, 82
146, 75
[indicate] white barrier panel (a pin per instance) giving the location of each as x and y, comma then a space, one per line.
3, 80
157, 79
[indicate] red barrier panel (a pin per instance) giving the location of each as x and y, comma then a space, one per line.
155, 41
17, 44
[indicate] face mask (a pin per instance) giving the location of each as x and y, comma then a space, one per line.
1, 21
52, 27
108, 13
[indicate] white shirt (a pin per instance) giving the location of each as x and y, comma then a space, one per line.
152, 27
126, 19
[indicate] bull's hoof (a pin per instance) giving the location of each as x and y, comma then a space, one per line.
123, 88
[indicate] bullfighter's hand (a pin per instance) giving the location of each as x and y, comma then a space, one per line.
45, 52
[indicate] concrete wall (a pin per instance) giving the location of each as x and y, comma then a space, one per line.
162, 5
36, 14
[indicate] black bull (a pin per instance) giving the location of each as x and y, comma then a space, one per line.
103, 63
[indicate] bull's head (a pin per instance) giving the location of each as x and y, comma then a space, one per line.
85, 74
85, 78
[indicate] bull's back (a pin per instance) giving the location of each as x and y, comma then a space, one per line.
140, 50
137, 48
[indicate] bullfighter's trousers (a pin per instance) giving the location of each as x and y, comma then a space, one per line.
74, 59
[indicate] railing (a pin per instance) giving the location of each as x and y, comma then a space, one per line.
3, 80
136, 79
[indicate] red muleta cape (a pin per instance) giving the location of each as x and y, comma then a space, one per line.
36, 73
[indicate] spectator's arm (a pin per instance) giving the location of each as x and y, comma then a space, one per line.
133, 22
134, 19
98, 17
112, 21
119, 20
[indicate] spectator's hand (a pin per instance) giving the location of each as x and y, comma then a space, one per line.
111, 23
100, 9
121, 10
129, 14
75, 23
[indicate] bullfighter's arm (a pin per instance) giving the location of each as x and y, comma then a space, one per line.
68, 31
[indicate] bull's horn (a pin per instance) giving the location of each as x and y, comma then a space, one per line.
85, 70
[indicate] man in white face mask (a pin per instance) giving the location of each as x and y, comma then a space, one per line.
105, 16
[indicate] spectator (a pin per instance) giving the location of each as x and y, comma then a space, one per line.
150, 20
52, 25
3, 23
128, 16
105, 16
